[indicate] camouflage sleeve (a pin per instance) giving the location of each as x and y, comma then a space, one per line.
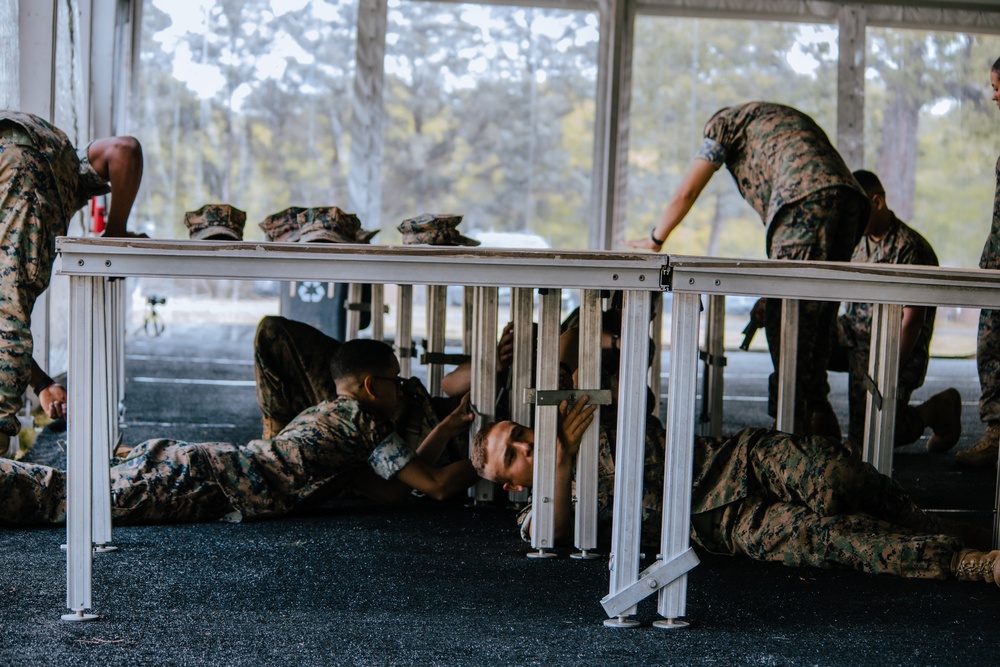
712, 151
390, 456
91, 184
524, 522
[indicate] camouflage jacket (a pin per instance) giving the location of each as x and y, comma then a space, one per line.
311, 460
75, 180
900, 245
720, 477
776, 154
990, 259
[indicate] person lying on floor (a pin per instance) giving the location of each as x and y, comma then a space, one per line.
761, 493
347, 442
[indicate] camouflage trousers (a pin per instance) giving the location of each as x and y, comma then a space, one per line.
854, 360
988, 364
292, 369
160, 481
822, 227
813, 502
29, 223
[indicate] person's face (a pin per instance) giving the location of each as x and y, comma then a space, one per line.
510, 455
995, 85
387, 393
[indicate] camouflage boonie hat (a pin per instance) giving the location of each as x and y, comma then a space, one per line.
329, 224
283, 226
216, 222
434, 229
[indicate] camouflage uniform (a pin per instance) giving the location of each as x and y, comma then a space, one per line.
788, 171
293, 373
791, 499
312, 460
900, 245
988, 337
44, 180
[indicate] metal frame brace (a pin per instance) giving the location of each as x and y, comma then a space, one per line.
650, 580
557, 396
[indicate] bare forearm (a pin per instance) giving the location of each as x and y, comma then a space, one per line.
118, 159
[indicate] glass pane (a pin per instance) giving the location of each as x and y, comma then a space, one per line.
490, 113
244, 102
685, 69
930, 131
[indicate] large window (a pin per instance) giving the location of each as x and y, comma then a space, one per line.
685, 69
490, 113
245, 102
931, 134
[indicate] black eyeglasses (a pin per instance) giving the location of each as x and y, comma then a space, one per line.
400, 382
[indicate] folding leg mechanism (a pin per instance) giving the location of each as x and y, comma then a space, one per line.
650, 580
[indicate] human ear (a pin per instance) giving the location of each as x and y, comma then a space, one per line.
507, 486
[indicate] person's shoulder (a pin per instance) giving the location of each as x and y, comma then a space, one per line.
920, 249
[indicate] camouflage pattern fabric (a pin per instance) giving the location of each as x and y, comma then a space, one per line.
900, 245
434, 229
812, 501
282, 226
820, 227
292, 369
777, 155
797, 500
329, 224
988, 336
216, 222
44, 180
169, 481
788, 171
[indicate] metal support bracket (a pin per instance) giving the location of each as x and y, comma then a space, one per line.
364, 307
712, 359
410, 352
872, 389
444, 358
557, 396
652, 579
666, 276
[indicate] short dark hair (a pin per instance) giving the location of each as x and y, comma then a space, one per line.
869, 182
361, 356
996, 66
477, 449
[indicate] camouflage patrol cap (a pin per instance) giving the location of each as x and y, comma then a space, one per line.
329, 224
434, 229
216, 222
282, 226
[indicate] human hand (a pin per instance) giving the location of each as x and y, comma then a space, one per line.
573, 423
505, 348
53, 401
461, 418
645, 244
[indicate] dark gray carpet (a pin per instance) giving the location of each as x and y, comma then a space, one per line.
444, 584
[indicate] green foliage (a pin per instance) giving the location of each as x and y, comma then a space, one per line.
490, 112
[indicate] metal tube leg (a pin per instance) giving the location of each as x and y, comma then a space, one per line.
546, 424
880, 399
787, 365
79, 437
404, 329
626, 520
588, 377
484, 371
677, 478
437, 311
522, 314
